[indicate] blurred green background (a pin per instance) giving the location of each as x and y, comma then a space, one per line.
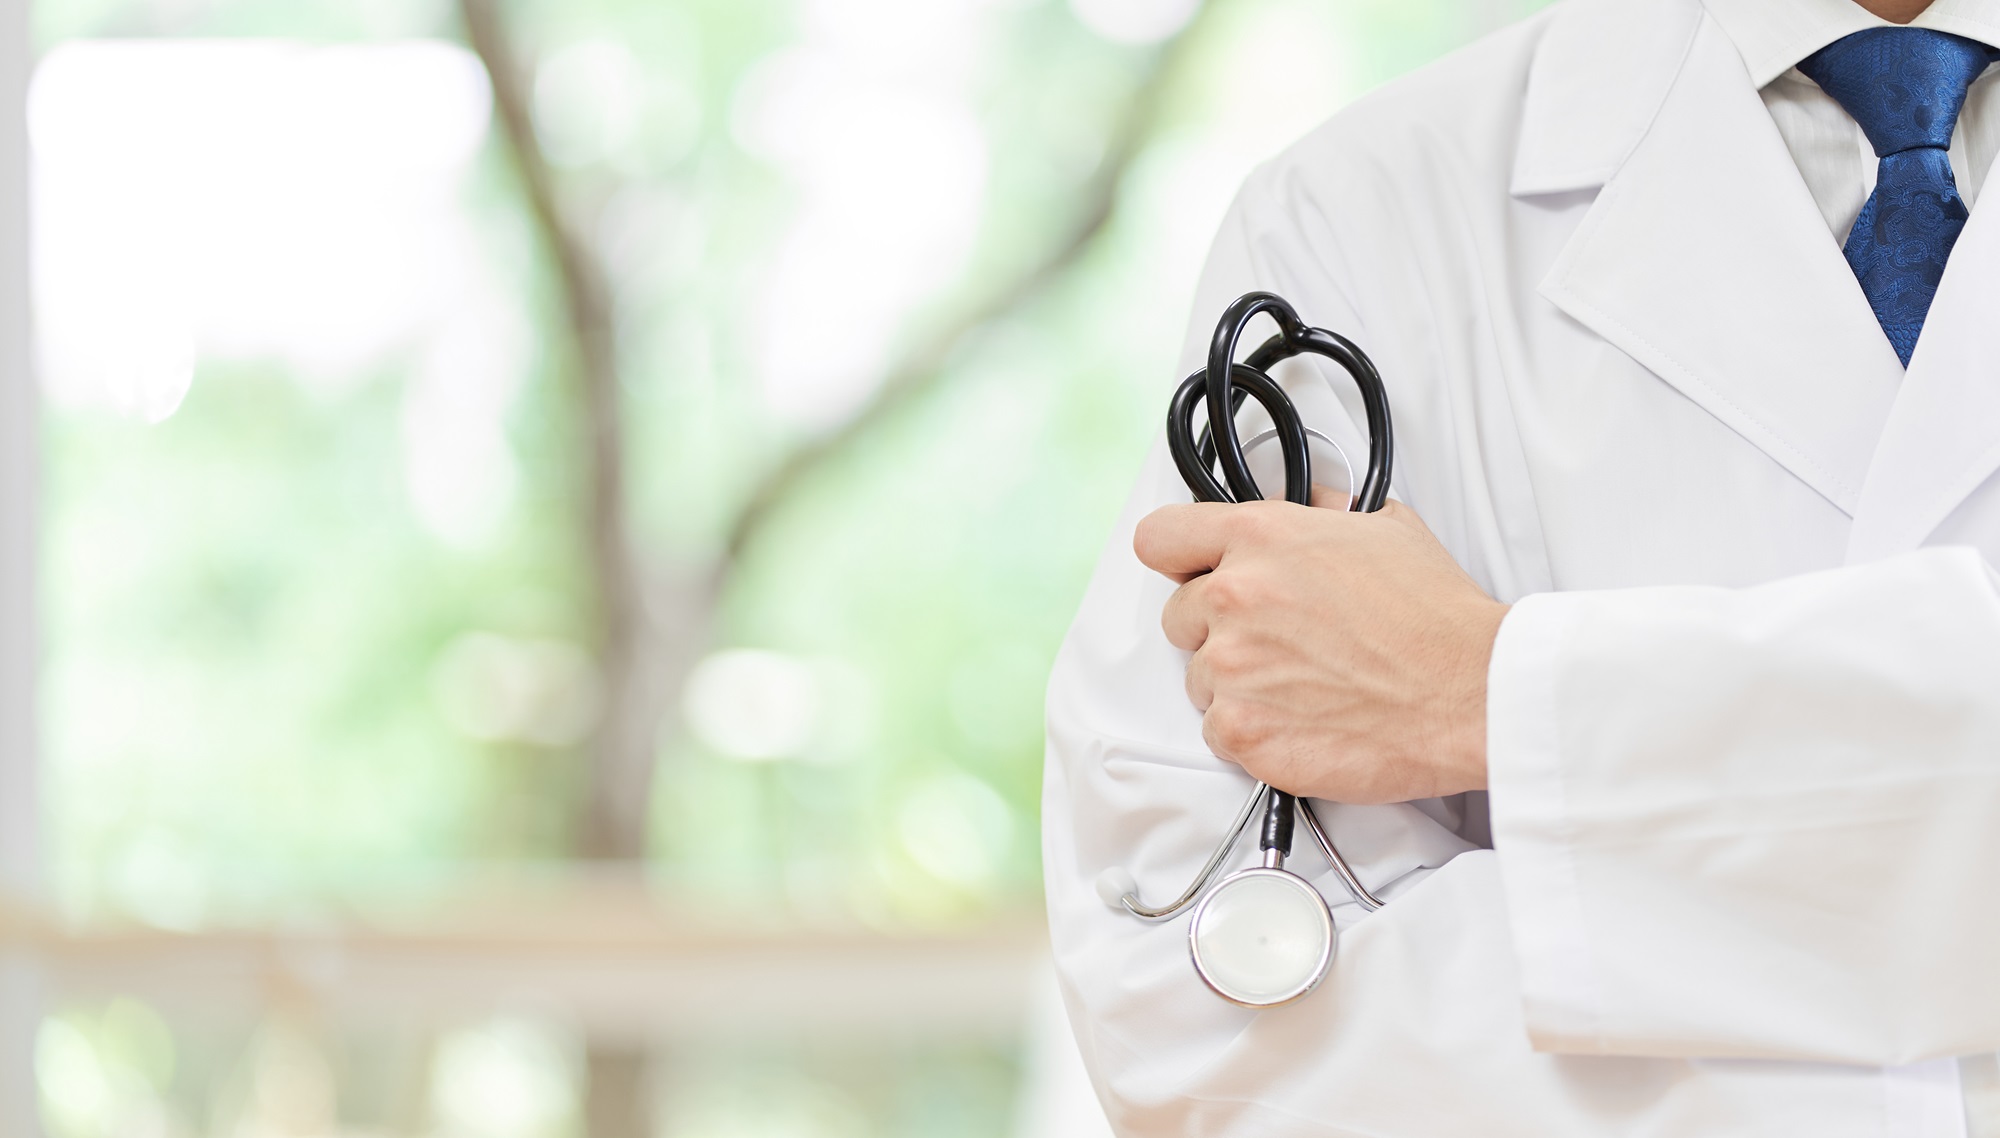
688, 486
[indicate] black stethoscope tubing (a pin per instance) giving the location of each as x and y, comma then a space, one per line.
1220, 388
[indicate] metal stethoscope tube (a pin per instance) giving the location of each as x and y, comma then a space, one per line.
1352, 883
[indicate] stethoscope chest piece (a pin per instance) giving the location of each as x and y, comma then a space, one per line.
1262, 939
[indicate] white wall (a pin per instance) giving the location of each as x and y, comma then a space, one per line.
19, 556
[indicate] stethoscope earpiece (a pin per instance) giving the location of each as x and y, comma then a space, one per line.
1116, 884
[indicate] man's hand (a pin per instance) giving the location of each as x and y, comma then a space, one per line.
1338, 655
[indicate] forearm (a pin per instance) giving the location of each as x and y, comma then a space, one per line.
1759, 822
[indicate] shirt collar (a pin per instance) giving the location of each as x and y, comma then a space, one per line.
1773, 35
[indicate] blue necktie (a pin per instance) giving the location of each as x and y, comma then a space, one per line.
1905, 86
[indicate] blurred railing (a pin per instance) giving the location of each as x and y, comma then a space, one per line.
605, 963
615, 961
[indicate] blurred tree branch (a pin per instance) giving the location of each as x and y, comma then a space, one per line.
644, 660
621, 752
925, 367
616, 791
641, 676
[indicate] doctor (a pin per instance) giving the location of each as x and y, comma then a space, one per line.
1665, 709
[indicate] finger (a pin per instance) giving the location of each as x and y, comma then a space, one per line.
1182, 541
1325, 497
1199, 683
1212, 731
1184, 618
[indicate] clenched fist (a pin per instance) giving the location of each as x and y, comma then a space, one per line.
1336, 654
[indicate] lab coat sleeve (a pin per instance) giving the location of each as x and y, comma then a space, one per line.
1757, 822
1419, 1027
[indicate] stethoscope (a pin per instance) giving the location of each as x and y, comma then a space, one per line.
1264, 936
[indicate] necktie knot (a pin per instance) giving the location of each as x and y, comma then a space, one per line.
1905, 86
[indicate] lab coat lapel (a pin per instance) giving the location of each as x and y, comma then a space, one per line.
1942, 440
1705, 259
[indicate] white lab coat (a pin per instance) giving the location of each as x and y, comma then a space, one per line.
1744, 720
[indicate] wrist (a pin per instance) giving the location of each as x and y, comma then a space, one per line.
1461, 754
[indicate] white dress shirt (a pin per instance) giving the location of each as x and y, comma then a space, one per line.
1833, 154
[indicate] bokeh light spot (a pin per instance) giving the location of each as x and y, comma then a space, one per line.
957, 828
1135, 21
748, 703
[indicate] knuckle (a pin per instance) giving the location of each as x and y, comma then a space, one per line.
1223, 592
1232, 727
1224, 656
1197, 690
1233, 593
1215, 730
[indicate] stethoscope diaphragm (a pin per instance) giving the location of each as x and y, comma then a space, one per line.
1263, 938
